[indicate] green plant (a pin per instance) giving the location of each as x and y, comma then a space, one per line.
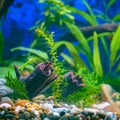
56, 12
17, 86
95, 57
89, 94
58, 66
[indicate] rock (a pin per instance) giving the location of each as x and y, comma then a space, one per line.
39, 98
50, 98
2, 81
33, 106
4, 90
62, 113
111, 116
6, 105
7, 100
109, 94
107, 91
57, 106
22, 103
27, 115
46, 118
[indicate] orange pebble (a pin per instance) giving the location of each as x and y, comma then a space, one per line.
22, 103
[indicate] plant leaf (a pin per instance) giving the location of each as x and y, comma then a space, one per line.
78, 35
83, 14
68, 59
96, 56
39, 53
4, 71
78, 61
114, 46
118, 68
91, 13
111, 3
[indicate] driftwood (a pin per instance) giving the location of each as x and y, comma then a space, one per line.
88, 31
74, 82
38, 79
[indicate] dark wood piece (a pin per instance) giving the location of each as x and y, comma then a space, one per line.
74, 82
40, 78
88, 31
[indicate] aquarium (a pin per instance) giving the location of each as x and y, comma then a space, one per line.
59, 60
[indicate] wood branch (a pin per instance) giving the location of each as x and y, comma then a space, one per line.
74, 82
40, 78
88, 31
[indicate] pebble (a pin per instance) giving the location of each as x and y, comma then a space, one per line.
4, 90
39, 98
6, 105
2, 81
7, 100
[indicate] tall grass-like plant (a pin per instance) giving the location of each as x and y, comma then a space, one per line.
56, 12
58, 66
115, 48
95, 58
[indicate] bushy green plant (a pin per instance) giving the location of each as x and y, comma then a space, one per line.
56, 12
18, 87
89, 94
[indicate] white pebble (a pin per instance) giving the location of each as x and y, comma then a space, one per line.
56, 114
46, 118
2, 80
6, 105
112, 116
47, 105
36, 112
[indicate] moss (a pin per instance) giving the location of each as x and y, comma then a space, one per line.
88, 94
18, 87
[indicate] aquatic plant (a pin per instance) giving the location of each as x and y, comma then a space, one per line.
56, 12
18, 87
95, 57
58, 66
89, 94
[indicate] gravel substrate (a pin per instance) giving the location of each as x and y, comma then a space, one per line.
41, 108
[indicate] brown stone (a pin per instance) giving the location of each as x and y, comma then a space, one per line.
107, 95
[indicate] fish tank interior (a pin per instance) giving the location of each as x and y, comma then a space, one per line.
60, 59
